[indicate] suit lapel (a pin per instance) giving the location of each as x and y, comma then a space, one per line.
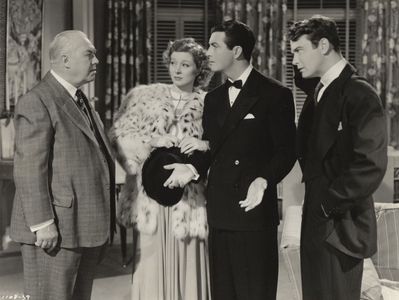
246, 99
329, 112
64, 100
223, 106
99, 125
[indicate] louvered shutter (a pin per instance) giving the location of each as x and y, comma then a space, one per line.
174, 19
348, 38
166, 31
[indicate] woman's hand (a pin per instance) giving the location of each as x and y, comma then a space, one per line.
189, 144
166, 140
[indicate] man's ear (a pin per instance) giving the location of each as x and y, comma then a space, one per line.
237, 50
65, 61
324, 45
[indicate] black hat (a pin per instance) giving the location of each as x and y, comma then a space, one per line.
154, 175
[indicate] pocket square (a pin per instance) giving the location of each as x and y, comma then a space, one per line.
249, 116
340, 126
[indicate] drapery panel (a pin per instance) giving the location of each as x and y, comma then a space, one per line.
128, 50
380, 56
267, 18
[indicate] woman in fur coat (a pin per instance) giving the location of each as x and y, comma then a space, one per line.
171, 255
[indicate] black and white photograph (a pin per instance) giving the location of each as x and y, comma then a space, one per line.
199, 149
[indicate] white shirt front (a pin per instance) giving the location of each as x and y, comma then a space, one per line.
233, 91
332, 74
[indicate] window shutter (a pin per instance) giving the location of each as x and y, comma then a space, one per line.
166, 31
174, 19
348, 38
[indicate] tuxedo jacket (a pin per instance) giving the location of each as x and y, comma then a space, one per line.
61, 170
343, 139
253, 138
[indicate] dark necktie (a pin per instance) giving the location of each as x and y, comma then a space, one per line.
84, 106
83, 103
319, 86
237, 84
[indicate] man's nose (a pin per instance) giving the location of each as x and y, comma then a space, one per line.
95, 60
295, 60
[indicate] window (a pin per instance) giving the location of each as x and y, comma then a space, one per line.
175, 19
344, 13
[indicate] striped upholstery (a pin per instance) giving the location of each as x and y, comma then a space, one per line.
292, 262
386, 260
290, 242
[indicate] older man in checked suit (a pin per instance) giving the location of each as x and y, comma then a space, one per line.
63, 170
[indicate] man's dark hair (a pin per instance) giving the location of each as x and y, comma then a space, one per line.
316, 28
237, 34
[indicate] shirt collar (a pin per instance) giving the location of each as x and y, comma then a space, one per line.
69, 87
333, 73
244, 76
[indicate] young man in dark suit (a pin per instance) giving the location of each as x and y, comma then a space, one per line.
249, 122
342, 150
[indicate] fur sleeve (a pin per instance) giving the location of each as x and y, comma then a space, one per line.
128, 134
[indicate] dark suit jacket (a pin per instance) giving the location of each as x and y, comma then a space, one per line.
243, 149
61, 170
344, 140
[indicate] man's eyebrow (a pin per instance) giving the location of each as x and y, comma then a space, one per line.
296, 48
91, 50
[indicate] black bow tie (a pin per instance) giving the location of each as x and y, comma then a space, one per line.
237, 84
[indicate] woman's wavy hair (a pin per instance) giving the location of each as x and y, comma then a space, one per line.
200, 57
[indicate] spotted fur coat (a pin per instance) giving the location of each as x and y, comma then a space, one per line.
147, 112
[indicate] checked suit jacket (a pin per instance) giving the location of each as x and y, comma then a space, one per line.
61, 170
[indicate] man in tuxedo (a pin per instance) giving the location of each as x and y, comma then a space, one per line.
342, 150
249, 122
63, 210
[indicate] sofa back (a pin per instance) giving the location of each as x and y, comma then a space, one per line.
386, 260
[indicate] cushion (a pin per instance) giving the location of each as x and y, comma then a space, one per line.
371, 287
390, 289
290, 242
291, 234
386, 260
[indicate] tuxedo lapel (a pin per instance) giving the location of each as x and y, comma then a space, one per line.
328, 112
246, 99
64, 100
223, 106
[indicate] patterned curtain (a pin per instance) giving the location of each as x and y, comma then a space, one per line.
128, 50
380, 53
267, 18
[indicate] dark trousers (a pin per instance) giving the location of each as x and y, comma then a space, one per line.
327, 273
243, 264
66, 275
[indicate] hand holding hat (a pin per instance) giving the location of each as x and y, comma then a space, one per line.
189, 144
180, 176
166, 141
154, 175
